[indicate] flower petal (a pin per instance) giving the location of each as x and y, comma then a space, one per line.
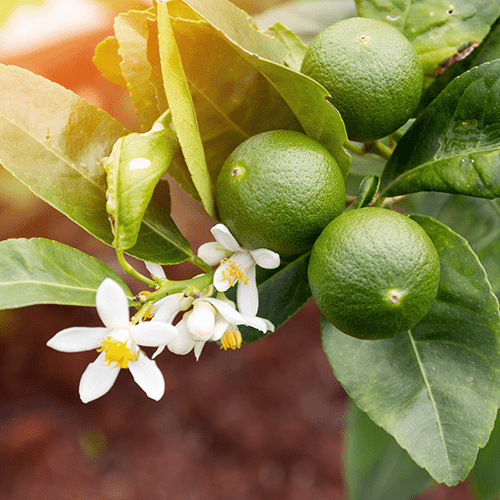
148, 376
224, 238
112, 304
212, 253
155, 270
269, 325
221, 325
231, 316
197, 349
158, 351
265, 258
97, 379
153, 334
166, 309
183, 343
200, 323
77, 339
247, 296
243, 261
227, 309
259, 323
220, 283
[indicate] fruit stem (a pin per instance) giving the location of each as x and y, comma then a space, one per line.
352, 148
379, 149
378, 201
375, 147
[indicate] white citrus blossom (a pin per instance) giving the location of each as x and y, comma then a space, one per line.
213, 319
118, 343
166, 309
237, 265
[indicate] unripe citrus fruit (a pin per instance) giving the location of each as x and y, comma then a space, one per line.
278, 190
373, 273
372, 72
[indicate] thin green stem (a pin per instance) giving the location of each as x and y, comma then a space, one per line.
133, 272
379, 149
139, 315
194, 259
355, 150
191, 287
375, 147
379, 201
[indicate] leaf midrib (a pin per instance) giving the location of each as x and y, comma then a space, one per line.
430, 164
47, 283
205, 97
431, 398
51, 150
149, 224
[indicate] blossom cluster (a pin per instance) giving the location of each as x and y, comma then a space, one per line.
204, 318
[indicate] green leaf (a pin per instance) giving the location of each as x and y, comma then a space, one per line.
377, 468
305, 97
53, 142
488, 51
438, 29
454, 145
132, 33
478, 221
183, 112
434, 388
306, 18
231, 106
39, 271
160, 227
367, 191
234, 24
107, 60
282, 292
133, 169
486, 473
296, 47
362, 166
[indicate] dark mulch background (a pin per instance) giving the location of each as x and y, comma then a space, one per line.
264, 422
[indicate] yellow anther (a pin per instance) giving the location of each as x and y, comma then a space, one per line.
117, 352
233, 273
231, 339
148, 314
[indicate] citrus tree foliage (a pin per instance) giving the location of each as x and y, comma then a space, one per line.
203, 77
441, 31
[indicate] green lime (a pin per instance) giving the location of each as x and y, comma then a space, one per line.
372, 72
373, 273
279, 190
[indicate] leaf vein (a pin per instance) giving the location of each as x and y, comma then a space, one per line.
54, 152
431, 398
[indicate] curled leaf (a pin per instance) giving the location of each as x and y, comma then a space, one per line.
133, 169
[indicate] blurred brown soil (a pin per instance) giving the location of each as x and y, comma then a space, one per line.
264, 422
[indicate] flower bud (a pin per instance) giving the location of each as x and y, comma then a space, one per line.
201, 321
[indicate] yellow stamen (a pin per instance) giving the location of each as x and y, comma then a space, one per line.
148, 314
233, 273
117, 352
231, 339
143, 296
